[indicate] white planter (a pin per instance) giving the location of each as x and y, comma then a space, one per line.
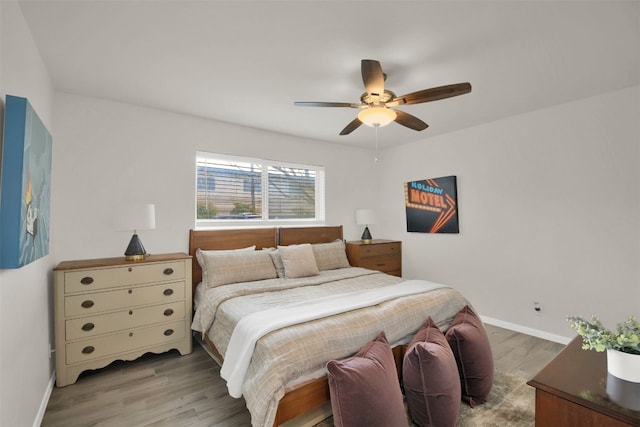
625, 366
623, 381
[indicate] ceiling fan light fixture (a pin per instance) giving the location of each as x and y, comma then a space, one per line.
377, 116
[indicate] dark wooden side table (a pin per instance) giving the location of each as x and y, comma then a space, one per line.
382, 255
570, 391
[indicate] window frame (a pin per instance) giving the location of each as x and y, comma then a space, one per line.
319, 188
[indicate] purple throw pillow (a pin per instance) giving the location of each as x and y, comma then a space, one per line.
470, 345
430, 377
365, 390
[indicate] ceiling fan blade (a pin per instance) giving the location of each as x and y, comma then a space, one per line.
328, 104
412, 122
373, 77
433, 94
353, 125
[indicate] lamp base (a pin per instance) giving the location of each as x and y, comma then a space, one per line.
135, 251
366, 235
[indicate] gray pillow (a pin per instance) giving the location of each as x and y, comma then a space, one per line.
226, 267
202, 259
330, 256
277, 260
298, 261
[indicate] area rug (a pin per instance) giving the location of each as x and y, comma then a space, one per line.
511, 404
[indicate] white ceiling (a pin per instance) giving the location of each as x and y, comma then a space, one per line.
245, 62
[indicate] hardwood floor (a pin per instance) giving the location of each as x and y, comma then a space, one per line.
520, 354
155, 390
173, 390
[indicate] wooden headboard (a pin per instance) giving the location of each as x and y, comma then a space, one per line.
297, 235
214, 240
261, 237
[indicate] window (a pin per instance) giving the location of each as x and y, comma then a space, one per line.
237, 189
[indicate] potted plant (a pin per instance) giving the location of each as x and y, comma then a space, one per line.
623, 356
596, 337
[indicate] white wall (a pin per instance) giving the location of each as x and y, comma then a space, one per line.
548, 200
108, 153
25, 294
549, 204
549, 207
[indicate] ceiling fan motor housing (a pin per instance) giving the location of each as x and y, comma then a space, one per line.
375, 99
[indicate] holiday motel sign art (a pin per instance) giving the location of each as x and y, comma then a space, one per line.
431, 205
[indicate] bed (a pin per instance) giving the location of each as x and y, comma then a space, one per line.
286, 375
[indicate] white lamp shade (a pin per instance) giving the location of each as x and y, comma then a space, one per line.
377, 116
135, 217
365, 217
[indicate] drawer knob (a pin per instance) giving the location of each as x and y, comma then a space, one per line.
168, 292
168, 312
130, 291
87, 304
168, 332
168, 271
88, 327
86, 280
88, 349
130, 269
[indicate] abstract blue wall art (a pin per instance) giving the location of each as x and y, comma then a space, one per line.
25, 187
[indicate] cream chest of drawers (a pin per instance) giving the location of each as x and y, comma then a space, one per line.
382, 255
112, 309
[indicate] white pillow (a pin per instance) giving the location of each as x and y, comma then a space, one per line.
298, 261
330, 256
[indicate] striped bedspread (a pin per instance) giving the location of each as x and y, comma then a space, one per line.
304, 348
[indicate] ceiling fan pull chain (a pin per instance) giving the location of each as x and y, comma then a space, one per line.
376, 160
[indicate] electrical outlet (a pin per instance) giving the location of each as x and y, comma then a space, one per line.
537, 308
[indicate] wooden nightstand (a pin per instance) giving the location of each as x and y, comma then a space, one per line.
381, 255
570, 391
112, 309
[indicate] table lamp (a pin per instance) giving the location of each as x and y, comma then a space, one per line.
365, 217
135, 217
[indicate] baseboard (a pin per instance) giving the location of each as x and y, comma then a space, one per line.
45, 401
526, 330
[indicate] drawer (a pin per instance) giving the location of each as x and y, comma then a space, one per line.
98, 347
89, 280
381, 263
379, 250
97, 302
85, 327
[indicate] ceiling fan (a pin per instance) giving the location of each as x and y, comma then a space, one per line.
378, 104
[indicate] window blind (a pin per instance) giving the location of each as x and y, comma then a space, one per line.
255, 190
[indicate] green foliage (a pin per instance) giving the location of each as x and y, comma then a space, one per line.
596, 337
240, 208
206, 212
